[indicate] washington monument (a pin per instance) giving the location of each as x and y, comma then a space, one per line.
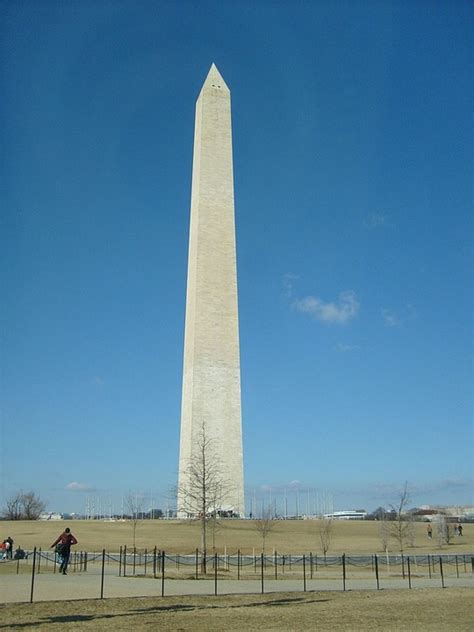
211, 423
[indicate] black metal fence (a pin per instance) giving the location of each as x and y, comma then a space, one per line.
307, 571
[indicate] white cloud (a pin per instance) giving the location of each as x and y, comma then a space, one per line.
295, 484
340, 313
375, 220
395, 319
390, 318
79, 487
391, 490
287, 282
343, 348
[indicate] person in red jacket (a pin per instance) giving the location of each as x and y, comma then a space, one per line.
64, 542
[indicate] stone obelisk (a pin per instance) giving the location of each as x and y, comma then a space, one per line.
211, 400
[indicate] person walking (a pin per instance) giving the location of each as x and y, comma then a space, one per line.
64, 542
8, 548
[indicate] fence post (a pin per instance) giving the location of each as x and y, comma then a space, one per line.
457, 567
304, 573
215, 573
102, 575
429, 565
311, 565
238, 564
197, 562
162, 573
33, 575
376, 563
125, 560
85, 561
441, 571
275, 562
39, 562
134, 559
262, 573
403, 566
146, 554
17, 566
409, 572
120, 562
344, 571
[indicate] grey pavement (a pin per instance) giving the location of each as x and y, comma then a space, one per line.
81, 585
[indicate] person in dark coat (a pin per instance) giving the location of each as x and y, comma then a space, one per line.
64, 542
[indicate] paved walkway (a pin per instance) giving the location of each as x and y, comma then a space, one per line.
48, 586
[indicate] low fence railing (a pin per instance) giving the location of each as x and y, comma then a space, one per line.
306, 571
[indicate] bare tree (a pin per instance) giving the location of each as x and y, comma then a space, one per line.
325, 532
384, 531
214, 527
12, 509
134, 505
265, 525
443, 532
32, 506
202, 495
402, 528
23, 506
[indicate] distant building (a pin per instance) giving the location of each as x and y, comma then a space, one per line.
429, 513
347, 515
50, 515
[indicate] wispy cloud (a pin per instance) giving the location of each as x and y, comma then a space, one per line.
341, 312
390, 318
79, 487
391, 490
288, 283
376, 220
344, 348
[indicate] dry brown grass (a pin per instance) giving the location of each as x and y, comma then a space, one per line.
291, 536
432, 609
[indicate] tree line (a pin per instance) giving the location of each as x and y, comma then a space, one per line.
23, 506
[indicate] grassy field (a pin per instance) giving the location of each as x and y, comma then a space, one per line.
397, 610
291, 536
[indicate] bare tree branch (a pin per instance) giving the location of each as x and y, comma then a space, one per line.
402, 528
134, 505
265, 525
202, 495
23, 506
324, 531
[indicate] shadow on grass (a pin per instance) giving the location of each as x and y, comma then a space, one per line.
83, 618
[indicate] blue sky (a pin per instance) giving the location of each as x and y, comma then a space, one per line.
353, 183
